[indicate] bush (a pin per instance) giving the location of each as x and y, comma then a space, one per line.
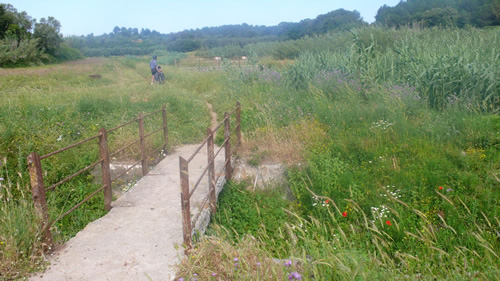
65, 53
20, 53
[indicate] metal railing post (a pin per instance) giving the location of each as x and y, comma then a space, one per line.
227, 139
39, 198
186, 211
106, 173
211, 170
143, 145
238, 122
165, 128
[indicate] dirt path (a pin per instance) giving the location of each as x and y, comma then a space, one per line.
213, 117
141, 237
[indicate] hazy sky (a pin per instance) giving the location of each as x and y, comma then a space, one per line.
82, 17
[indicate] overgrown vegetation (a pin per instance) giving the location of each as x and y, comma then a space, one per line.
395, 168
247, 212
404, 186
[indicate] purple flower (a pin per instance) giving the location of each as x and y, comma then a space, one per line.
214, 274
1, 179
181, 279
294, 276
288, 263
235, 259
258, 263
449, 189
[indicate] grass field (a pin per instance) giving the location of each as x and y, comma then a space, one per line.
395, 177
49, 107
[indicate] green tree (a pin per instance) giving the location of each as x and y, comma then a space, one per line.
443, 17
13, 23
47, 31
459, 13
5, 21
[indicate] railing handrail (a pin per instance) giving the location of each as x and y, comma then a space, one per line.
36, 173
186, 193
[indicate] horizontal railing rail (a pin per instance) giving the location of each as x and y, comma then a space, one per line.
188, 224
36, 171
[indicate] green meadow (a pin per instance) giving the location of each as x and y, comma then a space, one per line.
390, 140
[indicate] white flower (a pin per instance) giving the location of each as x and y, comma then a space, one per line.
59, 138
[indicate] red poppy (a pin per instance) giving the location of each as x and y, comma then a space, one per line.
327, 201
388, 223
344, 214
440, 188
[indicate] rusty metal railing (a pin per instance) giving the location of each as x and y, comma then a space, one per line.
36, 172
186, 194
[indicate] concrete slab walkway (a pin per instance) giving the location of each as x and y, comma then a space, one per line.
141, 237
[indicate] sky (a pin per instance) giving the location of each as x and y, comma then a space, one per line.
82, 17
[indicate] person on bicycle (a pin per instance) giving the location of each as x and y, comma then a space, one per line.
154, 69
160, 77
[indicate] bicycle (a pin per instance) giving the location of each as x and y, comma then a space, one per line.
159, 76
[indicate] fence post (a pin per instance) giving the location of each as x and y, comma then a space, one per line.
165, 128
211, 170
144, 161
106, 173
227, 139
238, 122
186, 211
39, 198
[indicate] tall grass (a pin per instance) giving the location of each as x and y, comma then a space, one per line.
446, 67
403, 186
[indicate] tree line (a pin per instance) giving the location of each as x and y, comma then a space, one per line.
24, 41
442, 13
131, 41
232, 39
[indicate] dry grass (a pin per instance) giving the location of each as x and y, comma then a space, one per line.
215, 258
284, 145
